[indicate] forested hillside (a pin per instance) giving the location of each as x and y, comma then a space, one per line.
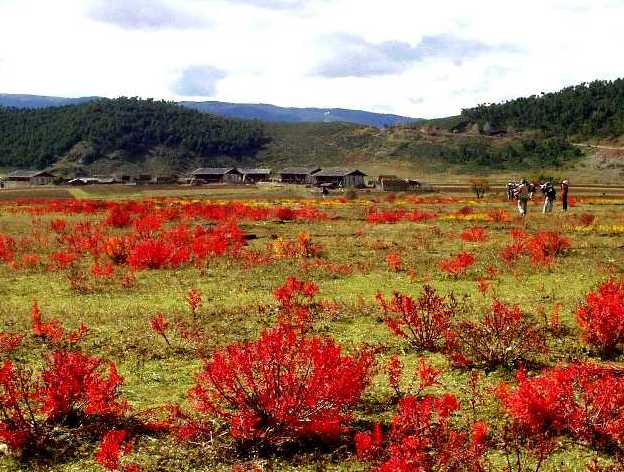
587, 110
38, 138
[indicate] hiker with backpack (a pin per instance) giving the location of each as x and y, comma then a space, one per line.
549, 196
522, 194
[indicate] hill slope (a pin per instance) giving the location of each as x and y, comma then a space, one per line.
126, 128
584, 111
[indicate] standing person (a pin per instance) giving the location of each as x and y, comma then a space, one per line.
522, 194
549, 196
564, 194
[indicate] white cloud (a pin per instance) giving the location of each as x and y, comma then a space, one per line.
413, 58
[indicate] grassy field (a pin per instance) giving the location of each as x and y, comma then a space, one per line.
238, 304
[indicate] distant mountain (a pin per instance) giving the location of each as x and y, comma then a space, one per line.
249, 111
275, 114
39, 101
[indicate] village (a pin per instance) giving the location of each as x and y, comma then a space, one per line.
324, 179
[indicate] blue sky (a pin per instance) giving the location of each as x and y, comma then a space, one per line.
415, 58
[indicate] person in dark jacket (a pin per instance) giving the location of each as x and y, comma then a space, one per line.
565, 185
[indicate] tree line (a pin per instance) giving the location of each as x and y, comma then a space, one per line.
39, 137
594, 109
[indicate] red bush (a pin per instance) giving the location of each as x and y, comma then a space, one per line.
457, 265
423, 322
584, 402
422, 438
394, 262
545, 246
601, 317
113, 445
474, 234
502, 338
150, 254
294, 298
283, 387
70, 387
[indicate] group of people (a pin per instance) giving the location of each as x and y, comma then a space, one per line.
524, 191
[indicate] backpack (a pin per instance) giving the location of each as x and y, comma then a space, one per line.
551, 192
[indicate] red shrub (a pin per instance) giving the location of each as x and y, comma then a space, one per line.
456, 266
159, 325
586, 219
70, 388
112, 446
512, 252
150, 254
52, 330
394, 262
9, 342
7, 248
545, 246
118, 217
424, 322
283, 387
73, 382
601, 317
194, 300
422, 438
475, 234
584, 402
499, 215
295, 297
502, 338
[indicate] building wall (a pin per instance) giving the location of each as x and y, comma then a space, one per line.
353, 181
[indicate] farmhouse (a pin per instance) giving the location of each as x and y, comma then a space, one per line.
399, 185
298, 175
251, 176
216, 175
340, 178
27, 178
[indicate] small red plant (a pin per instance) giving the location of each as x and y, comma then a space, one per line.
423, 322
295, 297
159, 325
474, 234
114, 444
601, 317
194, 300
456, 266
394, 262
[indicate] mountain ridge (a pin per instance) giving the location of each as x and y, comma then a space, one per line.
249, 111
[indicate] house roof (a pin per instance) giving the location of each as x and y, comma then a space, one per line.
27, 174
338, 172
300, 170
255, 171
215, 171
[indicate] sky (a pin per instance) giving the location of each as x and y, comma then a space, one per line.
410, 57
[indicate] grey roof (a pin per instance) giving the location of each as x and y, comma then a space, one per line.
255, 171
338, 172
26, 174
214, 171
300, 170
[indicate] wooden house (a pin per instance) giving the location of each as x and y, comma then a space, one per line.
251, 176
216, 175
343, 178
298, 175
27, 178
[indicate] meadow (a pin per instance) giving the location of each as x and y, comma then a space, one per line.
278, 331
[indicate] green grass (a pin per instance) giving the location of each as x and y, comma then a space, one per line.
238, 304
